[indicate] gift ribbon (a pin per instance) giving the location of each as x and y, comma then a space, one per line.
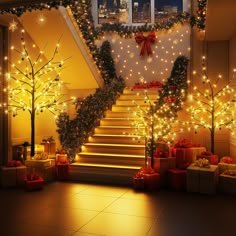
145, 41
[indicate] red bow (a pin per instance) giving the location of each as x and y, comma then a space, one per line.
146, 40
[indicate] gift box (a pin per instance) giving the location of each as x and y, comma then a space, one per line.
148, 176
151, 181
212, 158
138, 183
36, 184
39, 163
177, 179
12, 176
202, 179
62, 170
61, 157
227, 182
186, 156
161, 166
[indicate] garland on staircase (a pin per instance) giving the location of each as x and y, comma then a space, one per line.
73, 133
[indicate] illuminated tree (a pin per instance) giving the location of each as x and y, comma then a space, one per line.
152, 124
34, 85
157, 121
212, 106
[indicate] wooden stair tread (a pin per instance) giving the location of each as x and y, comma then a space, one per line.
113, 145
106, 166
110, 154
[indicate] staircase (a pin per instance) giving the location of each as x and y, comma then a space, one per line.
112, 155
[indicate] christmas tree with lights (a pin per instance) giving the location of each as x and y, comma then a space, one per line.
212, 106
157, 121
34, 85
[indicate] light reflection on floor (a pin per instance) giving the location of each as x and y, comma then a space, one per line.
81, 209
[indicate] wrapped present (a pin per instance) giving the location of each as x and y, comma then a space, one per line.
202, 179
62, 170
177, 179
229, 160
161, 166
34, 184
151, 179
212, 158
186, 156
227, 182
138, 183
39, 163
61, 157
12, 176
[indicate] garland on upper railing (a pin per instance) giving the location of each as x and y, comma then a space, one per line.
199, 20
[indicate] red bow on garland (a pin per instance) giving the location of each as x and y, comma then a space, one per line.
146, 40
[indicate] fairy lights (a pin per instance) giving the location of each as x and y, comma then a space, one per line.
211, 105
32, 86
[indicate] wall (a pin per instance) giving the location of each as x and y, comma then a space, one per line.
232, 63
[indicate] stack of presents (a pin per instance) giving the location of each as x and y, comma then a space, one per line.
32, 173
188, 167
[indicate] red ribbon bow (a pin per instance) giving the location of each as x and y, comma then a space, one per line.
146, 40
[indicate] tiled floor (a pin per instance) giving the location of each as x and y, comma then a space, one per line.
62, 209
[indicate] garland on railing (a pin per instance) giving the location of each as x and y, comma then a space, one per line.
199, 20
174, 91
73, 133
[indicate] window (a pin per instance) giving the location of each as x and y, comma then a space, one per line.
138, 11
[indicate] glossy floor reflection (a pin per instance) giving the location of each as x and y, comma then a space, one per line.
63, 209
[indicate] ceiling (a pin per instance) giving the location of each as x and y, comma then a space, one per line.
221, 20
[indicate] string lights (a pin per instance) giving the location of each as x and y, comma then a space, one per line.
212, 105
34, 85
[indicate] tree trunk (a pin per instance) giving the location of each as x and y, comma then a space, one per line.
32, 149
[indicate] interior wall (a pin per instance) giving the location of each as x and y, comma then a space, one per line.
232, 63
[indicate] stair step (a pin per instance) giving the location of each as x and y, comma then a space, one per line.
109, 174
114, 148
111, 159
117, 121
133, 101
111, 138
131, 107
120, 130
140, 91
137, 96
118, 114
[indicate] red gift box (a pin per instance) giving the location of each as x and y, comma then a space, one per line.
138, 183
184, 157
36, 184
62, 170
148, 176
151, 181
212, 158
177, 179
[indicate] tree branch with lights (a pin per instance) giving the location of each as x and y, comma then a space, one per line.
212, 106
34, 85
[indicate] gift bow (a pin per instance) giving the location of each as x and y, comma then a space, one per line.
145, 41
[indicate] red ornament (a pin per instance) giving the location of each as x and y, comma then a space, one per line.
145, 41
